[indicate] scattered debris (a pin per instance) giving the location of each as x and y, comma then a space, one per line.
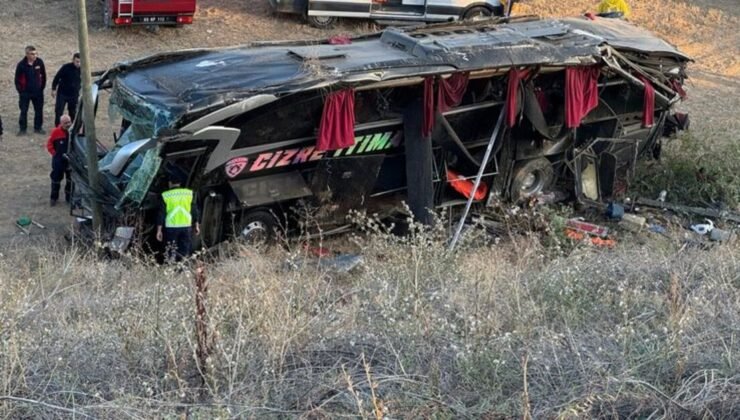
596, 241
703, 229
700, 211
633, 222
719, 235
24, 223
662, 196
579, 225
615, 211
655, 228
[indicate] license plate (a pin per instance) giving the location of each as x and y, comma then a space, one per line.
155, 19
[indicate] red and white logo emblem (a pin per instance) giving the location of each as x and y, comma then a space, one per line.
235, 166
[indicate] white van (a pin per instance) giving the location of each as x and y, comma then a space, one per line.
323, 13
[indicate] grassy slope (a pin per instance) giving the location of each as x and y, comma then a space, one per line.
647, 329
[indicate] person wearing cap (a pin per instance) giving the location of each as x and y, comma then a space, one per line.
179, 216
57, 147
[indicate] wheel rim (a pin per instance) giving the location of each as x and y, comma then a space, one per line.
255, 233
531, 183
479, 15
323, 20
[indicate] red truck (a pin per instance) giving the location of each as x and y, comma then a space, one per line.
148, 12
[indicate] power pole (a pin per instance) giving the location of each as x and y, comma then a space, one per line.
88, 117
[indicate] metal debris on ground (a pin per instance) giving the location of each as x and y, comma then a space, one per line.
632, 222
703, 228
579, 225
699, 211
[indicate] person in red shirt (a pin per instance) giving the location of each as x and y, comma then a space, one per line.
57, 147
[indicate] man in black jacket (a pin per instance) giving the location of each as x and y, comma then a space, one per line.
30, 82
66, 88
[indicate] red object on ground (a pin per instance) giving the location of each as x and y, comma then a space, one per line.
581, 93
337, 126
590, 16
150, 12
465, 186
648, 103
340, 40
585, 227
512, 94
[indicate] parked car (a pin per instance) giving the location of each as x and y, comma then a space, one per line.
241, 124
324, 13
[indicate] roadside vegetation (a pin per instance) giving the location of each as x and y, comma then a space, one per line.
648, 330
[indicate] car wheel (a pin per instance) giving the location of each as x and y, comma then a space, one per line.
477, 13
530, 178
322, 22
257, 228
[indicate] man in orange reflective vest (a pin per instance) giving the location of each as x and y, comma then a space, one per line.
178, 214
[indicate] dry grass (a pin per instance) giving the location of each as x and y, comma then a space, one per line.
649, 331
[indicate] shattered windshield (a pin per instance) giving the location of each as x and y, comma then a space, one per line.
141, 177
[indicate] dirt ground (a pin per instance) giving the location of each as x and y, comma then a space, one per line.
707, 30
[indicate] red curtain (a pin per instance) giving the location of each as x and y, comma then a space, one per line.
449, 94
428, 121
337, 127
676, 85
512, 94
581, 93
648, 103
450, 91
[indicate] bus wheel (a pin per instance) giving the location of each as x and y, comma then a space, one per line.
530, 178
257, 228
321, 22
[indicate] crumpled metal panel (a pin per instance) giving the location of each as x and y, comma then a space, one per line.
164, 88
142, 179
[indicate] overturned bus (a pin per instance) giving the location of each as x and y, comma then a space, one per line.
272, 134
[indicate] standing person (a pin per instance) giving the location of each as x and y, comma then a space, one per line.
30, 82
178, 213
57, 147
65, 88
1, 128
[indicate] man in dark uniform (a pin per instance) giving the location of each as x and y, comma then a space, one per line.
57, 147
178, 213
30, 82
65, 88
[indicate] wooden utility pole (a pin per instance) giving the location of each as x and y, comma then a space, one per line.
88, 117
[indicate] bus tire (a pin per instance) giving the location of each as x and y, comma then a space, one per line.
257, 228
531, 177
